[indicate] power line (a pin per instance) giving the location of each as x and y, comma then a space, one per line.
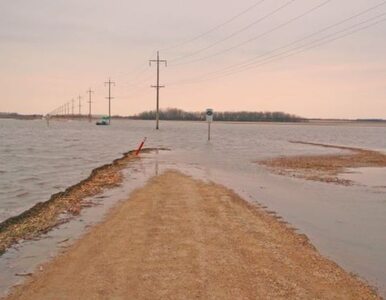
314, 8
235, 32
269, 56
299, 49
325, 40
216, 27
135, 82
305, 37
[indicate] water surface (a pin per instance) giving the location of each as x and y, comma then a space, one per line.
346, 224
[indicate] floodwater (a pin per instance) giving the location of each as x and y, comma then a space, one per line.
346, 224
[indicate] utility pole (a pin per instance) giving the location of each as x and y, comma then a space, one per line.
158, 61
89, 104
72, 106
80, 105
109, 83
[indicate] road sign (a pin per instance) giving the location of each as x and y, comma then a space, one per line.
209, 115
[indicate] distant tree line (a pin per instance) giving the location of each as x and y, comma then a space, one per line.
371, 120
6, 115
238, 116
171, 114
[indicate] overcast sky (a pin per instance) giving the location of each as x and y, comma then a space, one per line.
53, 51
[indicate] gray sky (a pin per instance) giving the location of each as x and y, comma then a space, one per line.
53, 51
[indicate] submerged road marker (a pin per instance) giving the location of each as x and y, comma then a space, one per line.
140, 146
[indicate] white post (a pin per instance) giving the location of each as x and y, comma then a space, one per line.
209, 119
208, 131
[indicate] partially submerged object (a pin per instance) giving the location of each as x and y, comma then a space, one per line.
104, 121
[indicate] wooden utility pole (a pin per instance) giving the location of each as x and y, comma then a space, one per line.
158, 61
80, 105
109, 83
89, 104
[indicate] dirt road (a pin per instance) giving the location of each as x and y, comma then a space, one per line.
178, 238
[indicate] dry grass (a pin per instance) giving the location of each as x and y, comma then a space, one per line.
325, 168
45, 215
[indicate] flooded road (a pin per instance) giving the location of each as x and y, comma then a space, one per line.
346, 224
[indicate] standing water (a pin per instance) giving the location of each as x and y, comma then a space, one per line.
346, 224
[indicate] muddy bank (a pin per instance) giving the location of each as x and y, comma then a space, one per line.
58, 209
325, 168
178, 238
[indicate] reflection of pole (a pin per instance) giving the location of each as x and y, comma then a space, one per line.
208, 131
156, 162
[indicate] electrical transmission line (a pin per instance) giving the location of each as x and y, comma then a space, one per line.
309, 36
257, 58
142, 68
314, 8
235, 32
318, 32
322, 41
215, 27
276, 28
141, 71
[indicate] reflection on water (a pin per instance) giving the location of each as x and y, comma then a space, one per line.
373, 177
345, 223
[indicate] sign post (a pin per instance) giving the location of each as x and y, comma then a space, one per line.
209, 119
